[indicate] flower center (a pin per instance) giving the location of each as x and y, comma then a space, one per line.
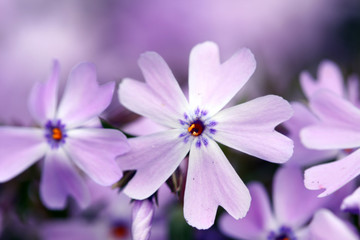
119, 230
196, 128
55, 133
283, 233
198, 125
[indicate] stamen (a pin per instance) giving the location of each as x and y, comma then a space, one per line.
196, 128
56, 134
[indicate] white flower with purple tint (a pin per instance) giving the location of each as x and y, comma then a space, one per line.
68, 137
194, 126
294, 206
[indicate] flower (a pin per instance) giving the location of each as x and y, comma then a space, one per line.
108, 216
194, 126
325, 225
69, 138
293, 207
330, 78
338, 129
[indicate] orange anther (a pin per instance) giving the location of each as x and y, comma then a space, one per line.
56, 134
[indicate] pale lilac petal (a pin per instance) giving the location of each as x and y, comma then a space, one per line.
94, 151
257, 221
302, 155
353, 90
326, 226
83, 97
211, 84
61, 180
142, 217
329, 137
143, 126
154, 157
212, 181
43, 97
19, 149
161, 80
249, 128
334, 110
352, 202
141, 99
293, 203
329, 77
334, 175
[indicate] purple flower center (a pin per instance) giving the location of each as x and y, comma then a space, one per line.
120, 230
197, 125
196, 128
55, 133
284, 233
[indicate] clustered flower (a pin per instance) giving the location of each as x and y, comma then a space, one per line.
180, 146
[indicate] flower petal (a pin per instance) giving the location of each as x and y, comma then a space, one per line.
329, 77
302, 155
142, 218
83, 98
334, 110
353, 90
143, 126
61, 180
154, 157
43, 97
257, 221
326, 225
161, 80
334, 175
212, 181
211, 84
141, 99
249, 127
293, 203
329, 137
352, 202
94, 151
19, 149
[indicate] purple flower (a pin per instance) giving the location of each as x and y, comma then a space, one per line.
294, 205
68, 138
339, 130
195, 125
142, 217
325, 225
113, 217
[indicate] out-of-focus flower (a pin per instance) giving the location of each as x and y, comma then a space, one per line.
329, 77
294, 205
338, 129
110, 218
69, 138
196, 125
142, 217
326, 226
